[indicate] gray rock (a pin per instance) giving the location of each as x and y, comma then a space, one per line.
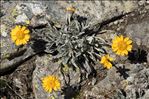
139, 31
146, 96
94, 11
37, 8
148, 58
3, 31
141, 2
44, 67
21, 18
7, 47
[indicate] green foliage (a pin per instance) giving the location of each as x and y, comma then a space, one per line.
74, 44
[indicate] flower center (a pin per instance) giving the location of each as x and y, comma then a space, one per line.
122, 45
20, 35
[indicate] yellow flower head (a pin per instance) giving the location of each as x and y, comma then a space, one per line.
121, 45
70, 9
106, 61
20, 35
50, 83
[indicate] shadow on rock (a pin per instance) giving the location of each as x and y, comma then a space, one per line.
71, 91
123, 71
39, 45
138, 56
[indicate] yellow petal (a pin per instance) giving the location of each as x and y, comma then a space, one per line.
109, 58
129, 48
121, 37
108, 65
13, 32
55, 88
13, 38
23, 28
122, 53
58, 84
18, 27
126, 39
114, 49
18, 42
24, 41
126, 52
103, 59
27, 37
114, 41
129, 42
26, 31
21, 41
50, 90
118, 52
114, 45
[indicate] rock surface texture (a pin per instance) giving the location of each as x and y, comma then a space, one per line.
128, 79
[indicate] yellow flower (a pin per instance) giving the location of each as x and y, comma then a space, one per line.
20, 35
50, 83
71, 9
106, 61
121, 45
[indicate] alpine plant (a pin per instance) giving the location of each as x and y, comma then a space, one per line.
74, 44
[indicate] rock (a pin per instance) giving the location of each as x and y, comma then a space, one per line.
37, 8
43, 68
98, 10
141, 2
148, 57
21, 18
126, 77
146, 96
37, 22
103, 87
139, 31
7, 47
115, 22
113, 81
47, 67
3, 32
138, 85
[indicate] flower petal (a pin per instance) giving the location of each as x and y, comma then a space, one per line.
114, 48
50, 90
126, 52
27, 37
129, 42
14, 38
121, 37
26, 31
103, 59
23, 28
126, 39
17, 42
129, 47
108, 65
